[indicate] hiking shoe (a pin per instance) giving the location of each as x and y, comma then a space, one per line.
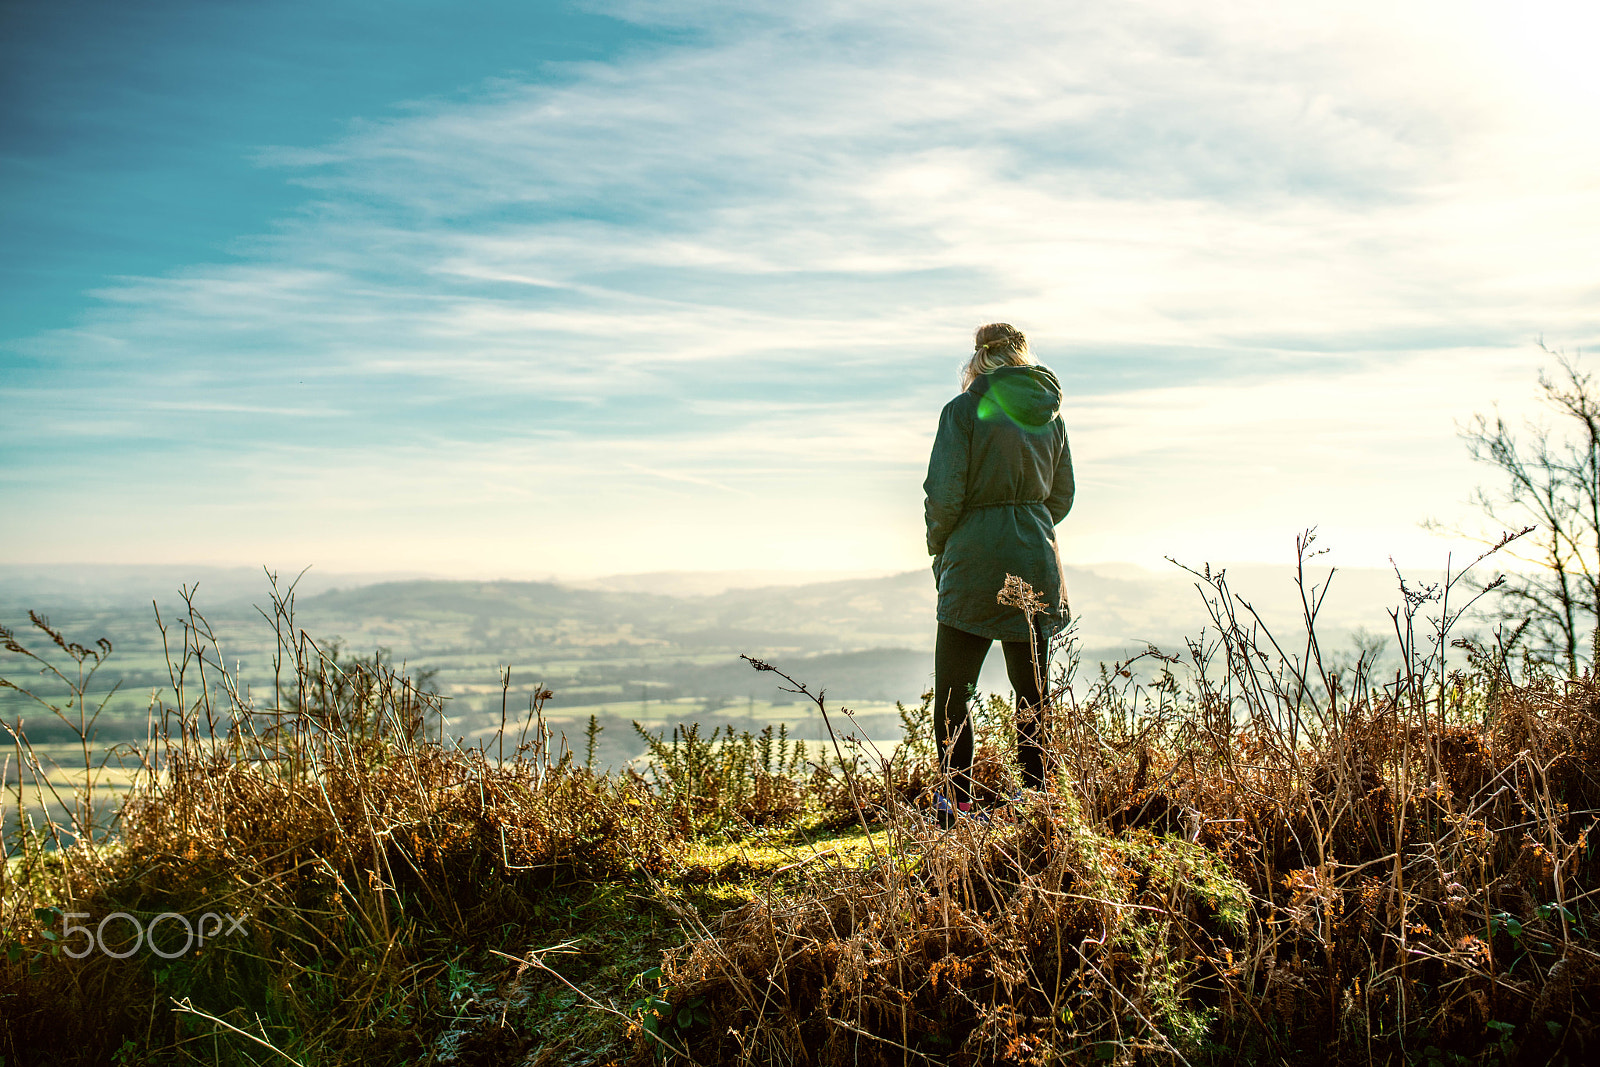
948, 813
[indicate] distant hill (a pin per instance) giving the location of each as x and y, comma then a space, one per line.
1118, 607
113, 585
873, 674
710, 583
862, 639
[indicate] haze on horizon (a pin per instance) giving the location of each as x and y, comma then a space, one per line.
559, 289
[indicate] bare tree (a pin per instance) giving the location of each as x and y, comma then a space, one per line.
1551, 481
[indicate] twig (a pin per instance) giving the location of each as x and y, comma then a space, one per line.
875, 1037
184, 1006
533, 959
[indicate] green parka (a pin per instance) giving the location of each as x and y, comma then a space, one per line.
999, 479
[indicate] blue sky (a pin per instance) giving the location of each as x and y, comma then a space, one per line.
523, 289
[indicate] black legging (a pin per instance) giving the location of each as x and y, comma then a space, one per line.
957, 658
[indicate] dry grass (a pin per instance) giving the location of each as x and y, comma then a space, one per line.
1252, 853
363, 854
1275, 860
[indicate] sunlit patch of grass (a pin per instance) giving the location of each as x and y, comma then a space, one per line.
1171, 865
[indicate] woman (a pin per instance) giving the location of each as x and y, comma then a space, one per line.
999, 480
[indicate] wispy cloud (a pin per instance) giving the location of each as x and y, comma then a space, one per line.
243, 409
746, 261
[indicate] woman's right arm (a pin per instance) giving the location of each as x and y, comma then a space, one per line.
946, 484
1062, 486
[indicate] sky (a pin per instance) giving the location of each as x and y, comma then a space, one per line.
549, 289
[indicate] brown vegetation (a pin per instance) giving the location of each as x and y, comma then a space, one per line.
1254, 853
1283, 862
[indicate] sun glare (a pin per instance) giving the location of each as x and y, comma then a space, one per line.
1549, 43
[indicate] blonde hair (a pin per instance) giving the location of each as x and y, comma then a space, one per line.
998, 344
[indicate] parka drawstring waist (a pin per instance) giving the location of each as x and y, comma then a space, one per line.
1003, 504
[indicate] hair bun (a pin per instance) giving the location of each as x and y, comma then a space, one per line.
995, 345
1012, 338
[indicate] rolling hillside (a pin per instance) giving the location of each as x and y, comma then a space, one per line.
615, 649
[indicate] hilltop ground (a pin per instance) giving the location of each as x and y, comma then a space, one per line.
1244, 858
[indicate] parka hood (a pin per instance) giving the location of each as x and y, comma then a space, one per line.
1030, 396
